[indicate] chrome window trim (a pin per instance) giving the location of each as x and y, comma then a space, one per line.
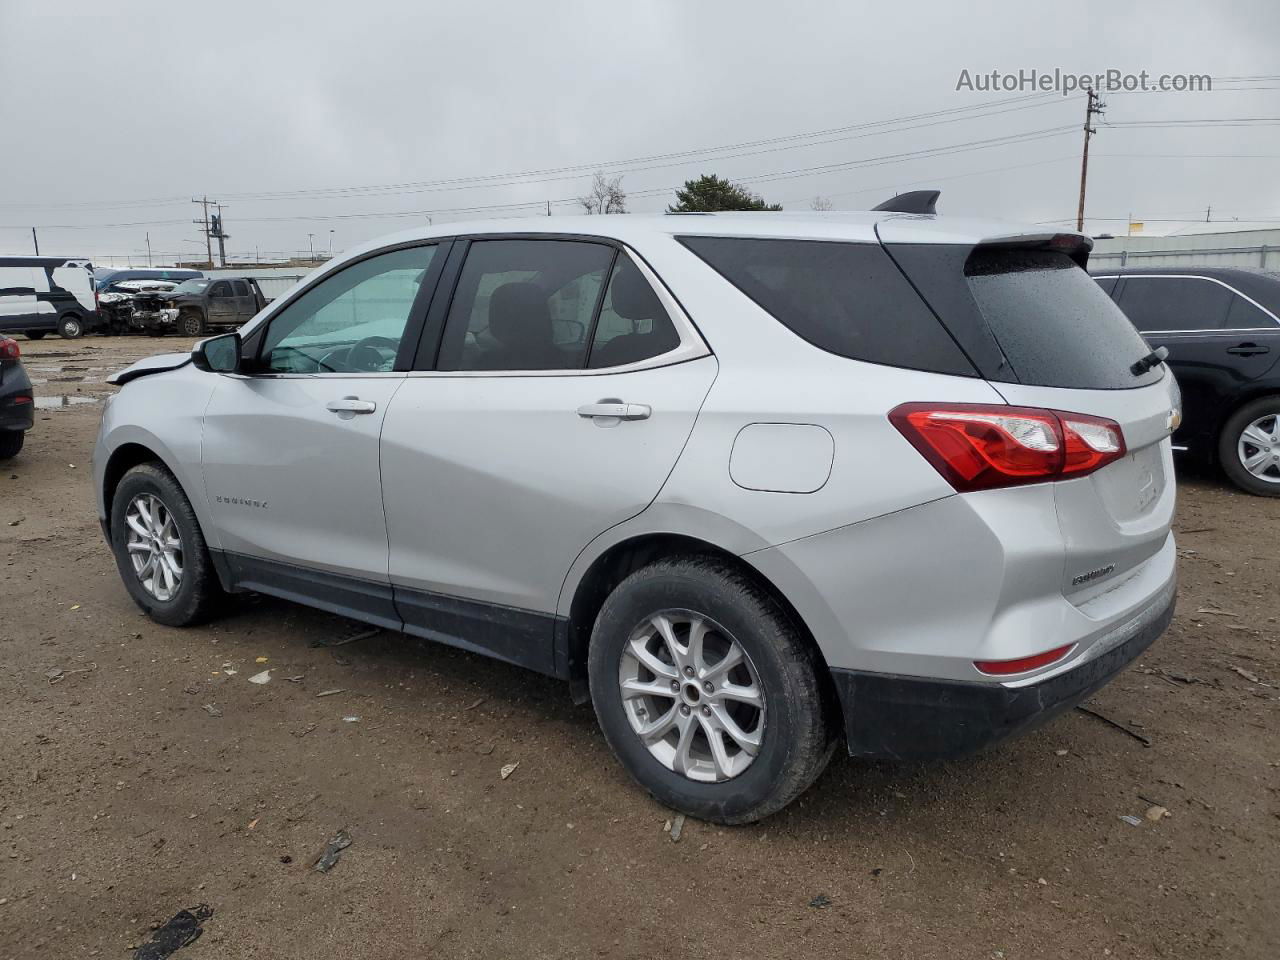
1195, 276
691, 346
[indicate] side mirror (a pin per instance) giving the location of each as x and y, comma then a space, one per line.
218, 354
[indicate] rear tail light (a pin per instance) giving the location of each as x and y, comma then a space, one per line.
1003, 668
9, 349
22, 398
982, 446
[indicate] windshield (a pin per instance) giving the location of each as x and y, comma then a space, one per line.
191, 286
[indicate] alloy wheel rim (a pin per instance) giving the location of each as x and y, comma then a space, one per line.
155, 546
1259, 448
692, 696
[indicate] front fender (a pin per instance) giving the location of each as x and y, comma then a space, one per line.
163, 414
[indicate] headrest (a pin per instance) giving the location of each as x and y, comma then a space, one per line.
518, 314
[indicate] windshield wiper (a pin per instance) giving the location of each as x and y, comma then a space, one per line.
1156, 356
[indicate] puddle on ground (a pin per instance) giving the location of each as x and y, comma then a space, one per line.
65, 400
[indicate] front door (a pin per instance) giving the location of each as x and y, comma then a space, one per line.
557, 409
222, 303
290, 448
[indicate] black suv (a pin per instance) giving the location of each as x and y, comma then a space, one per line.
1221, 326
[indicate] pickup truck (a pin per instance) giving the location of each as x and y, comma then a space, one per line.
198, 305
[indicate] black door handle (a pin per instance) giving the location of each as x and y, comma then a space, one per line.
1247, 349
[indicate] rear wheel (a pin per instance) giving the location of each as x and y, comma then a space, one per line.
707, 692
11, 442
160, 550
191, 324
36, 334
70, 327
1249, 447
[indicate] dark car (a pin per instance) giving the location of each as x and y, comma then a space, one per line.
195, 306
1222, 329
17, 405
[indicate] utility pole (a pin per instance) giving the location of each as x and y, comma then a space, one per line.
148, 248
1093, 107
548, 208
311, 242
36, 240
220, 232
1207, 210
204, 225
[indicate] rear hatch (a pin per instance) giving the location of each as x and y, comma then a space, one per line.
1044, 335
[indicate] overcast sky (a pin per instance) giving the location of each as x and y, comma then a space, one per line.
112, 116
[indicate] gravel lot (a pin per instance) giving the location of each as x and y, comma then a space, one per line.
149, 776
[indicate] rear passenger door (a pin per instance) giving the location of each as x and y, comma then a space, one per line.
551, 398
1218, 340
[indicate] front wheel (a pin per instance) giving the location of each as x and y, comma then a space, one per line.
70, 327
707, 692
160, 550
1249, 447
191, 324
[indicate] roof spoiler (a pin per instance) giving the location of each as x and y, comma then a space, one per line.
914, 201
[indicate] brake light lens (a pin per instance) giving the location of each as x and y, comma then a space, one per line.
984, 446
1003, 668
9, 349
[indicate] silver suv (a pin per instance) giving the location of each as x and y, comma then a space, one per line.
755, 484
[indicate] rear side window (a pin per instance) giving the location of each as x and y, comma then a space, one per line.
1243, 315
846, 298
1174, 303
1055, 326
242, 288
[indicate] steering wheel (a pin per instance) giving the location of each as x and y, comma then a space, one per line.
363, 356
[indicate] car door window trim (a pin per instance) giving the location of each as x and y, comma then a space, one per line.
1192, 276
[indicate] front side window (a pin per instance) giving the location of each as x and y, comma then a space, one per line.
524, 305
351, 321
1174, 303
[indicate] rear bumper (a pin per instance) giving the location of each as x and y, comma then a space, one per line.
13, 414
915, 718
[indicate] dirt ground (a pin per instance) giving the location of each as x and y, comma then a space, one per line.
150, 775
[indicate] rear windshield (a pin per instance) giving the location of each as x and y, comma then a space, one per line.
1054, 325
849, 299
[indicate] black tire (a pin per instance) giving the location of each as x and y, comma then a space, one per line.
191, 324
797, 739
70, 327
11, 442
199, 593
36, 334
1228, 447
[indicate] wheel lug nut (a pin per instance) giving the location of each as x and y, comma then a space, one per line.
688, 671
675, 686
708, 687
706, 711
684, 710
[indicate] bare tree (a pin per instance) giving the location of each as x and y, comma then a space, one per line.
821, 203
606, 196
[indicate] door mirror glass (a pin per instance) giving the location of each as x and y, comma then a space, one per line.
218, 354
